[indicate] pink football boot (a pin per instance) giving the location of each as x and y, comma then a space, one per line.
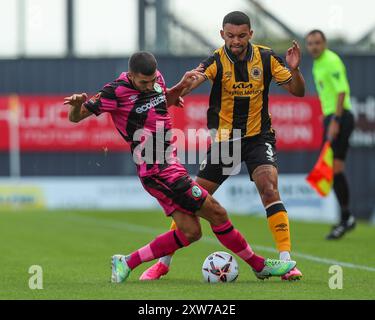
155, 272
292, 275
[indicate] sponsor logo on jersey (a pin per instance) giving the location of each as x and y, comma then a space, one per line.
242, 85
153, 103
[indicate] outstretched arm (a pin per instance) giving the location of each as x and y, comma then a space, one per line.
77, 110
189, 81
297, 85
197, 82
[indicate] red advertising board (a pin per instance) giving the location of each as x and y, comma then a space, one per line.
4, 127
297, 121
43, 124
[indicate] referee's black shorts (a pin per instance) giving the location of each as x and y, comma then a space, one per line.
340, 145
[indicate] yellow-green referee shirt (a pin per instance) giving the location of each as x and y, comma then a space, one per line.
330, 79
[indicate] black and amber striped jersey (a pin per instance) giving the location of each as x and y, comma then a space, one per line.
239, 93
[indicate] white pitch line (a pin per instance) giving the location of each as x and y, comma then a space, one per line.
210, 240
319, 260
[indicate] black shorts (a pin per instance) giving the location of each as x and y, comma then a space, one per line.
175, 190
255, 151
340, 145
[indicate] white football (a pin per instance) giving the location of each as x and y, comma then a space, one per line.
220, 267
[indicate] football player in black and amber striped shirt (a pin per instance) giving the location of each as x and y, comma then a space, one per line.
239, 94
241, 73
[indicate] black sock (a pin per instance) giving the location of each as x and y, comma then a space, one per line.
341, 187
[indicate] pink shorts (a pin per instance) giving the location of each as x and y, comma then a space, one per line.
175, 190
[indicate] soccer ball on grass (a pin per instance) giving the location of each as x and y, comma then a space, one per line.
220, 267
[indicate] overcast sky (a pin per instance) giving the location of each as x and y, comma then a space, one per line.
109, 27
347, 18
336, 17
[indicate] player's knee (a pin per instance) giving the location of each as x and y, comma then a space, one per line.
213, 212
219, 215
196, 235
193, 234
270, 195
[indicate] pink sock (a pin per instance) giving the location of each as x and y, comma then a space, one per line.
161, 246
232, 239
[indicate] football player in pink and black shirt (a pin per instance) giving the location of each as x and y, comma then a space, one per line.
138, 103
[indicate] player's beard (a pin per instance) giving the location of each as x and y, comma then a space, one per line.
244, 48
137, 88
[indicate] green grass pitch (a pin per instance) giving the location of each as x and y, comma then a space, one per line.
74, 249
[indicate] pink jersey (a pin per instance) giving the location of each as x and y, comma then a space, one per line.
140, 117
